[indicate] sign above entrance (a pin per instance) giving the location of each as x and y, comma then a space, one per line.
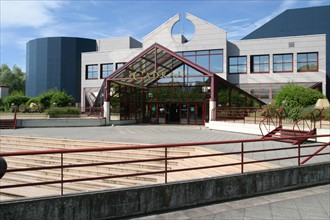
138, 74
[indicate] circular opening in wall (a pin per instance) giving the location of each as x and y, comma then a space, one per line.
183, 31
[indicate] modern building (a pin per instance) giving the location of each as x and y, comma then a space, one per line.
146, 81
54, 63
297, 22
166, 78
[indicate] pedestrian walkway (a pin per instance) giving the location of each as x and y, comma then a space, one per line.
304, 204
309, 203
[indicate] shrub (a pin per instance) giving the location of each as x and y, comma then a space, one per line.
15, 100
63, 111
296, 98
54, 97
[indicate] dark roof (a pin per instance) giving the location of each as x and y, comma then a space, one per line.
294, 22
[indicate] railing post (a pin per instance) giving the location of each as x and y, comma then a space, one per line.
321, 112
61, 174
299, 153
166, 164
242, 157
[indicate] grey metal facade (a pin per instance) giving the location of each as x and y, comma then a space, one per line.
54, 63
295, 22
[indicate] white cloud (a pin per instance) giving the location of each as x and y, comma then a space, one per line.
27, 13
317, 2
239, 31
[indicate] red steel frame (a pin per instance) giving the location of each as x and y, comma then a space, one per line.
166, 158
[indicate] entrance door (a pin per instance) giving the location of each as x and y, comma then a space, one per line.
172, 113
196, 113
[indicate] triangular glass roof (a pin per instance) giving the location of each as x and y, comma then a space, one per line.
154, 63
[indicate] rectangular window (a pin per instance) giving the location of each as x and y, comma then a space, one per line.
209, 59
92, 71
118, 65
237, 65
282, 63
307, 62
260, 64
106, 70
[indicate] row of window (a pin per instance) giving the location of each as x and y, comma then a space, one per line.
213, 61
92, 71
281, 63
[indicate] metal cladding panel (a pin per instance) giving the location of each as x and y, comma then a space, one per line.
55, 63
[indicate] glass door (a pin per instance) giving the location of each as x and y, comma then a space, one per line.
192, 114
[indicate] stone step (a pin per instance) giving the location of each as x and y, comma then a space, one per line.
138, 153
83, 171
93, 157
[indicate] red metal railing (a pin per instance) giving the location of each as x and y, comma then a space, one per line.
227, 113
94, 111
306, 122
272, 120
241, 151
15, 120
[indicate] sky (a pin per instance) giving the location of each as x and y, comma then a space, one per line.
25, 20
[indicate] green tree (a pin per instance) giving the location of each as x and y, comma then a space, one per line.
13, 78
295, 99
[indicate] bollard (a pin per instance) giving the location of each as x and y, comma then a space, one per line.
3, 167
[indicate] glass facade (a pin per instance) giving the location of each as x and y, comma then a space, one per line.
211, 60
307, 62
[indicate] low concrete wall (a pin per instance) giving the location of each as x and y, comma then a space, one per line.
161, 197
234, 127
60, 122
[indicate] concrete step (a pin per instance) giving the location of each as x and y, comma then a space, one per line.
94, 157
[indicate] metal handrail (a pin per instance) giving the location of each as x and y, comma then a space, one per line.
310, 123
97, 110
166, 158
233, 112
268, 120
15, 120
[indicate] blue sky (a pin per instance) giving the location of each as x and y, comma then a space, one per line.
25, 20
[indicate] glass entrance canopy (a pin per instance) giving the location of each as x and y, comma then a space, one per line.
161, 86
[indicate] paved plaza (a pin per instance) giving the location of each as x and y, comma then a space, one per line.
162, 134
308, 203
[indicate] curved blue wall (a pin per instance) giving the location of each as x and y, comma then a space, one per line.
55, 63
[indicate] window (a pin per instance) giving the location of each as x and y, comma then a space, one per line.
307, 62
282, 63
209, 59
237, 65
106, 70
260, 64
91, 71
118, 65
